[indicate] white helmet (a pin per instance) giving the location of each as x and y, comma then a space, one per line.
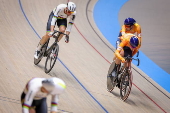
71, 6
54, 85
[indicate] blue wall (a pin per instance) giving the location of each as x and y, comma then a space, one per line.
106, 18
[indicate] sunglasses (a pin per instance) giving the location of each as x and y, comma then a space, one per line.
128, 26
133, 46
69, 11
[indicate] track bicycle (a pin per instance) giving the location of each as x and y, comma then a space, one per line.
121, 76
50, 52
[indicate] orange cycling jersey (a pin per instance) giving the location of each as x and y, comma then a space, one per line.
126, 42
135, 29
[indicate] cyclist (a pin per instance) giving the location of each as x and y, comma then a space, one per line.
33, 98
130, 26
59, 15
128, 47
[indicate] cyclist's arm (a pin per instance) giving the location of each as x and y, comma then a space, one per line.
28, 100
138, 31
139, 42
125, 35
117, 52
139, 35
54, 103
71, 22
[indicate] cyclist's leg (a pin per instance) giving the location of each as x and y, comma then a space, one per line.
62, 25
128, 52
114, 66
118, 63
48, 29
43, 40
42, 107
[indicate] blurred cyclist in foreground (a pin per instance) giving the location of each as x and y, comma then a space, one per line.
33, 98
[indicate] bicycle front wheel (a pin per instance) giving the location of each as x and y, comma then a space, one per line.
51, 58
125, 86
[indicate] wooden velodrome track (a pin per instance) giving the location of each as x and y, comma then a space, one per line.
83, 63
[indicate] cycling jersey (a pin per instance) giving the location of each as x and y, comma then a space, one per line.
135, 29
126, 43
59, 14
33, 92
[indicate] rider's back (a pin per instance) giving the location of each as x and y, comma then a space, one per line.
135, 29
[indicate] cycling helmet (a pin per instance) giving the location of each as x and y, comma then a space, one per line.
71, 6
54, 85
134, 42
129, 21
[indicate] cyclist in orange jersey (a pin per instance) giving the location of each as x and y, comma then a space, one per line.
129, 46
130, 26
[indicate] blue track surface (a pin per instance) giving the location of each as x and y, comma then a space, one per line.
106, 18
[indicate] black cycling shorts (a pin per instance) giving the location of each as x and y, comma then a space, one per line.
59, 22
40, 106
127, 51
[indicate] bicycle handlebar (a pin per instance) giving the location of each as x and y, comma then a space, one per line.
55, 31
128, 58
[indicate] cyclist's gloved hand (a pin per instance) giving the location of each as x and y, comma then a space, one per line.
51, 33
123, 60
66, 38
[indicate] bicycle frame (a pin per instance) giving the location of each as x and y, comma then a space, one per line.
52, 52
45, 51
126, 78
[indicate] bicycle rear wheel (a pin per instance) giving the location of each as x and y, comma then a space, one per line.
110, 78
51, 58
125, 86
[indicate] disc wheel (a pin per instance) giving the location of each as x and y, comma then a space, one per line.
110, 78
